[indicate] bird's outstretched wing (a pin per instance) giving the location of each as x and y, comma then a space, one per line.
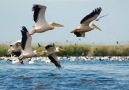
92, 16
26, 40
52, 55
79, 34
54, 60
39, 15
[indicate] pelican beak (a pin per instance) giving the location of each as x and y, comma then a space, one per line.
57, 25
44, 52
10, 51
61, 49
97, 27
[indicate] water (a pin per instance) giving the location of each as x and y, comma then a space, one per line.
78, 75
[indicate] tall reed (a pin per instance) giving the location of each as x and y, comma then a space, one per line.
80, 50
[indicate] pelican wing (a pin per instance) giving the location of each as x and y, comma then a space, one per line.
51, 54
92, 16
26, 40
39, 15
79, 34
54, 60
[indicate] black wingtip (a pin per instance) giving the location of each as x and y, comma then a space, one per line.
94, 12
97, 10
56, 63
22, 62
35, 6
24, 29
77, 34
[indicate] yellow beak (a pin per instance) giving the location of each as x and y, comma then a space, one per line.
57, 25
61, 49
97, 27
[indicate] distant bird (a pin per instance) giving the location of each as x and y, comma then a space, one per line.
79, 39
39, 45
27, 51
51, 51
101, 17
67, 41
93, 43
86, 23
40, 22
15, 48
75, 43
118, 43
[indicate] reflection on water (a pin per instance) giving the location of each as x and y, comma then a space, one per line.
81, 75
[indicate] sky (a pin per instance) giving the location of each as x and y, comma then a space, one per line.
17, 13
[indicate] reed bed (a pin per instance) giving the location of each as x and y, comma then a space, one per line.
3, 49
81, 50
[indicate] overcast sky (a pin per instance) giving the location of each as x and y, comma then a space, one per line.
17, 13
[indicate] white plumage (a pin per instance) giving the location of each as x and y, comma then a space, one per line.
27, 51
40, 22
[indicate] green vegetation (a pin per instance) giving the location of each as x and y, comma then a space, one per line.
82, 49
3, 49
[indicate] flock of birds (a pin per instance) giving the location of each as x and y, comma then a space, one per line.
22, 48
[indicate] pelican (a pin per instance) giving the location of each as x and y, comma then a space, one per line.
86, 23
27, 51
51, 51
40, 22
15, 48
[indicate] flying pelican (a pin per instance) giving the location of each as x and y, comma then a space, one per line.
101, 17
51, 51
40, 22
86, 23
15, 48
27, 51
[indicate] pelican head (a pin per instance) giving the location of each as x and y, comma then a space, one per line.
55, 24
94, 26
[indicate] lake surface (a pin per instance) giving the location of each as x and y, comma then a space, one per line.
77, 75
